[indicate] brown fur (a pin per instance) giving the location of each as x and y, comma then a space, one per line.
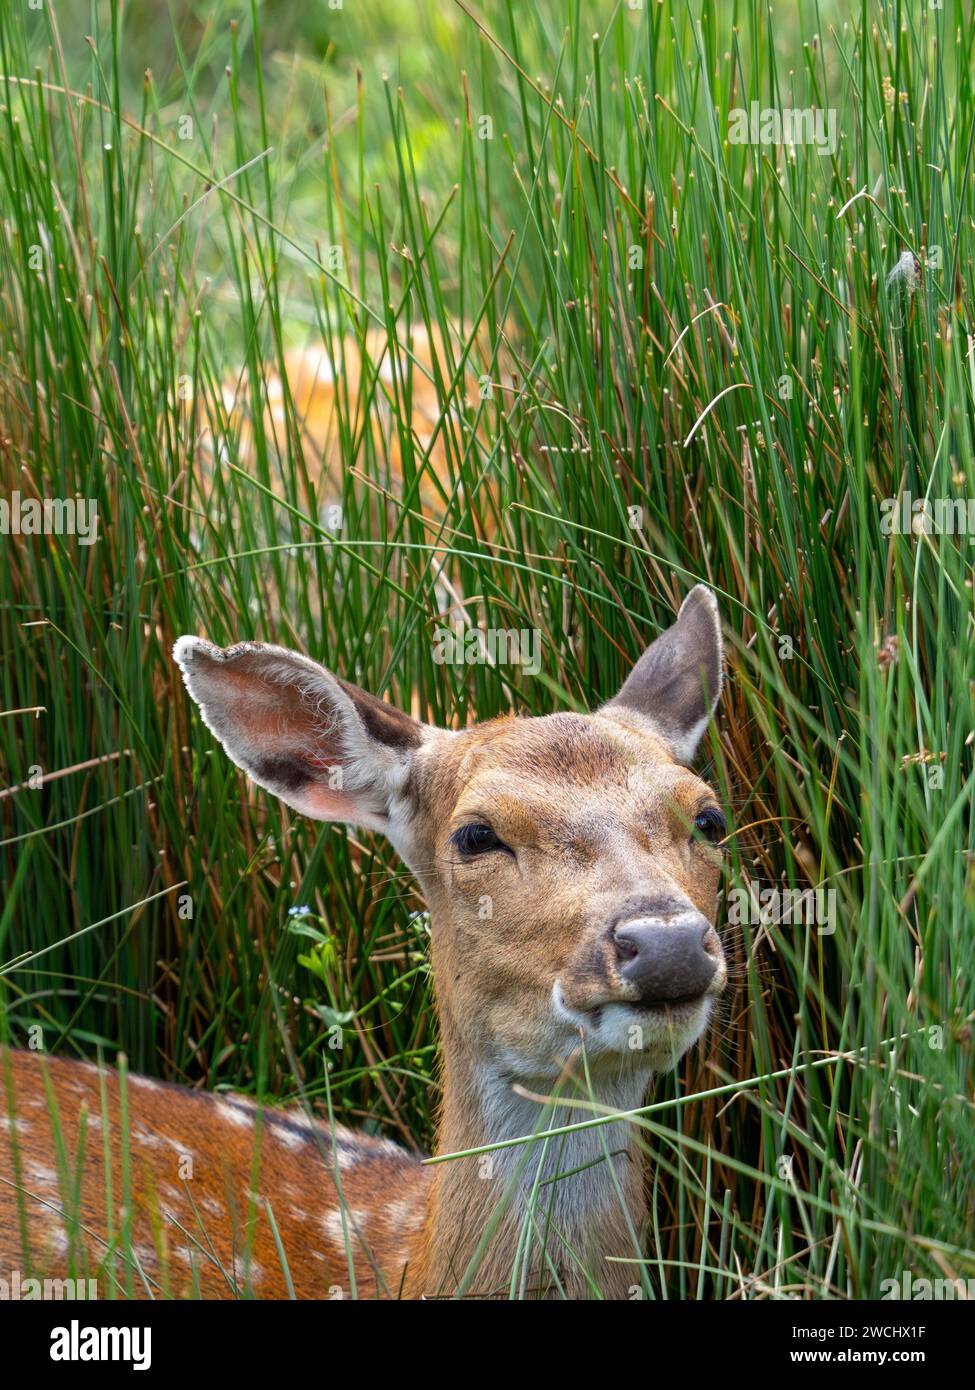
195, 1235
562, 789
534, 1001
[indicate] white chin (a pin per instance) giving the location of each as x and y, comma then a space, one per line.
659, 1036
651, 1039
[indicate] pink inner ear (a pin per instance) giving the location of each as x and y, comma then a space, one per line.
318, 799
322, 803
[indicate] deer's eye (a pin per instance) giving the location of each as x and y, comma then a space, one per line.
477, 839
710, 825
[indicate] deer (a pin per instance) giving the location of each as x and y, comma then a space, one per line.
598, 966
356, 380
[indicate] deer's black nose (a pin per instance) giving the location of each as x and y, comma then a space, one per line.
666, 960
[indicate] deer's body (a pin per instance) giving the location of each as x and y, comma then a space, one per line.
571, 887
321, 391
194, 1160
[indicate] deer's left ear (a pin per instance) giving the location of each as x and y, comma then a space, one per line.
327, 748
677, 681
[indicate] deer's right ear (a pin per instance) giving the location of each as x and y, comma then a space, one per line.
324, 746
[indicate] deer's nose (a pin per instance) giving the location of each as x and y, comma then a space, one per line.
666, 960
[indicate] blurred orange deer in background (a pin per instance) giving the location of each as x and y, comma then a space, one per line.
335, 393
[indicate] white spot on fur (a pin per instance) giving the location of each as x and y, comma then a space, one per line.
251, 1273
404, 1215
94, 1069
144, 1083
42, 1176
233, 1115
289, 1137
59, 1239
341, 1228
147, 1140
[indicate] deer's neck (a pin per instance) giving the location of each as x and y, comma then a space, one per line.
532, 1219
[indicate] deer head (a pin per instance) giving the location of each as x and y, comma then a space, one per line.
570, 862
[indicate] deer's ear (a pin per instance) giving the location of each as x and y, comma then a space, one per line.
677, 681
324, 746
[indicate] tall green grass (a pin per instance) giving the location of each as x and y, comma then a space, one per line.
698, 330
